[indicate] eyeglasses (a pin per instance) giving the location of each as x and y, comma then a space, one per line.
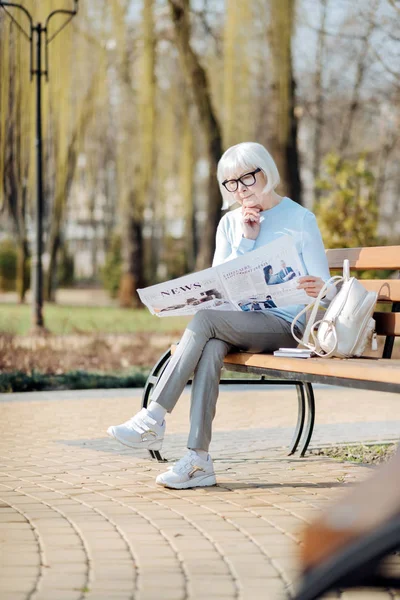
248, 179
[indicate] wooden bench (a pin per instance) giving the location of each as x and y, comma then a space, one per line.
372, 373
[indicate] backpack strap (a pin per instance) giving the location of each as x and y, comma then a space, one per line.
314, 306
332, 328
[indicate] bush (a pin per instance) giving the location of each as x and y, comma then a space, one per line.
347, 212
18, 381
8, 266
112, 270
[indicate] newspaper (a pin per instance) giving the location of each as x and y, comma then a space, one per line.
261, 279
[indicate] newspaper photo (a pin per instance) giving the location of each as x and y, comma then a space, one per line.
266, 277
261, 279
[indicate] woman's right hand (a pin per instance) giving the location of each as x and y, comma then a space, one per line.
250, 222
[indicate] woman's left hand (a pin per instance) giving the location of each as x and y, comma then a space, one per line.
311, 285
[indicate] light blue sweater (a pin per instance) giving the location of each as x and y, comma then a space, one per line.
286, 218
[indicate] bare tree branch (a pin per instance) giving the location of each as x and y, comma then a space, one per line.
395, 4
335, 34
361, 69
202, 16
319, 117
385, 66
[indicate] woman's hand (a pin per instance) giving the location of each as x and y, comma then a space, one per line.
250, 221
311, 285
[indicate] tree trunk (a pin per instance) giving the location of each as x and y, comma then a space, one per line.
284, 136
207, 241
132, 263
186, 182
51, 276
197, 80
292, 153
135, 189
22, 283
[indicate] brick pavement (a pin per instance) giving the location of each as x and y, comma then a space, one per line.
81, 516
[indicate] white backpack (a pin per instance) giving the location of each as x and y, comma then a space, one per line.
347, 326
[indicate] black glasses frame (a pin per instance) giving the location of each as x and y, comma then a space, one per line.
225, 183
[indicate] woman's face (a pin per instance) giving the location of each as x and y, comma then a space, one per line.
251, 195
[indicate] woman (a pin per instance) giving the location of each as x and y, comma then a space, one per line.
267, 273
270, 277
247, 175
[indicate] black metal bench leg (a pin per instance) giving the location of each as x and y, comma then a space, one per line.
300, 418
156, 454
310, 418
151, 382
154, 376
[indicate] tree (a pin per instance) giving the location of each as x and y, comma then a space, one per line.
197, 80
65, 161
60, 134
284, 135
16, 134
134, 193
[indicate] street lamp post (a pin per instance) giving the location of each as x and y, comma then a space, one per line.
36, 70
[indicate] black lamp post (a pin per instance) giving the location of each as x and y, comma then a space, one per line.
38, 31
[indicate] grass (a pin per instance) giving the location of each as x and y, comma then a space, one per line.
358, 453
16, 319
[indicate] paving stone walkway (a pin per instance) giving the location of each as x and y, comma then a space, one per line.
82, 518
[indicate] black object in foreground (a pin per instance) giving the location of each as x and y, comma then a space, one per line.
359, 564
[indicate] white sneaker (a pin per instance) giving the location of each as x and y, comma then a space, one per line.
141, 431
190, 471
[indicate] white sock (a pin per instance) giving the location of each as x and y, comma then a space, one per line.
202, 453
157, 411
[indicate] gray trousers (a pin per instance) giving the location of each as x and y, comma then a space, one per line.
206, 341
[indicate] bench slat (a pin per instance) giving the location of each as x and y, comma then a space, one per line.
388, 289
387, 323
369, 369
378, 257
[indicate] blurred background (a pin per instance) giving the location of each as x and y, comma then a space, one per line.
142, 99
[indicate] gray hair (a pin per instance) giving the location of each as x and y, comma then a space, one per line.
242, 157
